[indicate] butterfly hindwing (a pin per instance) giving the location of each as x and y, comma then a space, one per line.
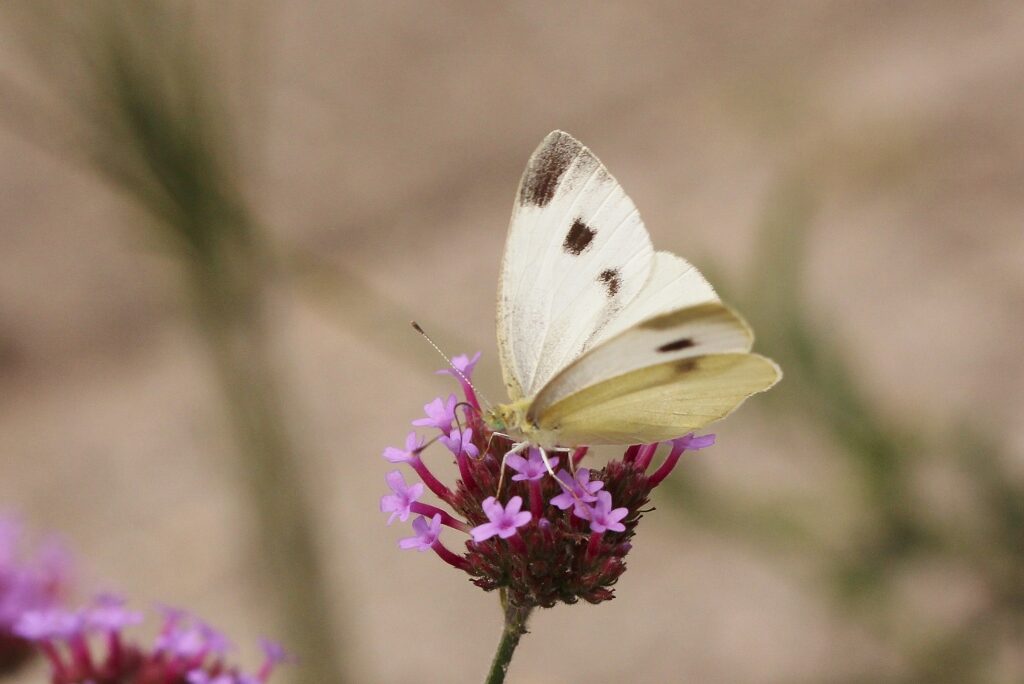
708, 328
577, 254
659, 402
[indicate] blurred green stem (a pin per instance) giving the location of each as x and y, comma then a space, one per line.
230, 313
511, 633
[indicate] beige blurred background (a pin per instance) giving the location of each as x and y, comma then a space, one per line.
381, 145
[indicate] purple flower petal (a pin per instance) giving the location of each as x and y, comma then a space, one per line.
426, 534
31, 579
601, 516
109, 614
400, 502
464, 364
412, 445
692, 442
503, 520
273, 651
440, 414
582, 490
44, 625
461, 442
532, 468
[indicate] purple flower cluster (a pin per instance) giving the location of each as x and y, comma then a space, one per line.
88, 646
30, 579
543, 541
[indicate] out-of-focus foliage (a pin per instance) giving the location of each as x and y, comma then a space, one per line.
895, 530
147, 110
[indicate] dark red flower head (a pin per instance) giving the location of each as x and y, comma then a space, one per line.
541, 539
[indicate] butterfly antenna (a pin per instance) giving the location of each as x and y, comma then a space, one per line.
421, 331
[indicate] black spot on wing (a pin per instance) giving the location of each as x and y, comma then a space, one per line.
611, 280
578, 238
684, 343
546, 169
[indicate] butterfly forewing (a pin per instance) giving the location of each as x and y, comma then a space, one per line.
708, 328
673, 284
577, 254
659, 402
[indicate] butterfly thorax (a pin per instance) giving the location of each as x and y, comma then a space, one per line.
510, 419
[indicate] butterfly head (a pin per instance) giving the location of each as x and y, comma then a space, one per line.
509, 419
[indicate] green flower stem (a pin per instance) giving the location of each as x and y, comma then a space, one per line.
515, 628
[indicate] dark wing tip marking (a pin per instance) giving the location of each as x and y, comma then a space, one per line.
683, 343
578, 238
612, 281
546, 168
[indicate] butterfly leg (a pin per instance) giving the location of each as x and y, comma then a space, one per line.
547, 463
516, 448
497, 434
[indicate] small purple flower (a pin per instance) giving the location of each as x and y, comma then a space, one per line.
110, 615
581, 489
216, 641
184, 637
461, 442
601, 516
413, 443
183, 642
462, 370
33, 581
440, 414
531, 468
504, 520
49, 624
273, 652
30, 579
680, 445
404, 496
427, 534
693, 442
463, 364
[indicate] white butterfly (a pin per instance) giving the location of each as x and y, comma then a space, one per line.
603, 340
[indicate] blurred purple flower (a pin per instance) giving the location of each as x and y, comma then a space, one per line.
31, 579
89, 646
